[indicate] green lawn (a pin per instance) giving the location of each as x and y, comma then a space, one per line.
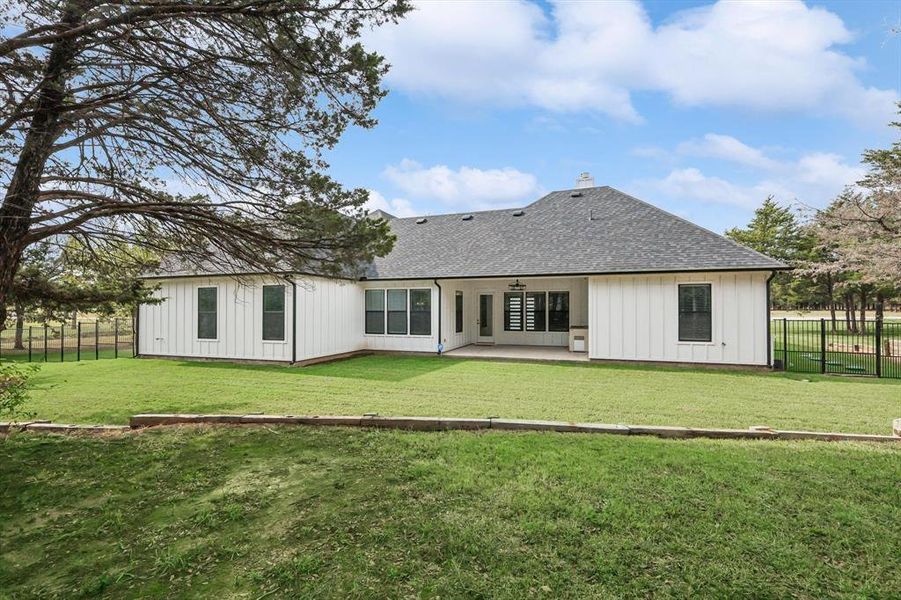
307, 512
109, 391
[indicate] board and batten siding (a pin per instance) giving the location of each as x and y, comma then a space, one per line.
636, 317
329, 317
170, 327
401, 343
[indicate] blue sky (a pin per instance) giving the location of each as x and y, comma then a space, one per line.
700, 108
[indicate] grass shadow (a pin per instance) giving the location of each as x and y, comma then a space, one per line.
392, 368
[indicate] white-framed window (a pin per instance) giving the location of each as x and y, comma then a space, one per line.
207, 313
398, 311
421, 312
375, 312
273, 313
695, 312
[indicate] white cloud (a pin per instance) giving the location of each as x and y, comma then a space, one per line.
692, 184
769, 56
466, 187
398, 207
813, 179
728, 148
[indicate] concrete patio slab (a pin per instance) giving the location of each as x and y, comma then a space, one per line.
525, 353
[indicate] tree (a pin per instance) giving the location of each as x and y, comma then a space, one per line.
109, 108
775, 231
861, 229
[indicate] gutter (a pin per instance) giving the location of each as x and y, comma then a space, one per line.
769, 331
293, 320
440, 345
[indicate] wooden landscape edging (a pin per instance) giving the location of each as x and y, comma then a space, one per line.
447, 424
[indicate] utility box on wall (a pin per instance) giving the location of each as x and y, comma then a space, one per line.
578, 339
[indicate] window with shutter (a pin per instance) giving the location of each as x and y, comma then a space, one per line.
536, 311
513, 316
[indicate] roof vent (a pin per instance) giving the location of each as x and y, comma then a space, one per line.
575, 194
585, 180
518, 213
467, 217
421, 221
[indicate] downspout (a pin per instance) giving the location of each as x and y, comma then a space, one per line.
440, 345
769, 327
293, 320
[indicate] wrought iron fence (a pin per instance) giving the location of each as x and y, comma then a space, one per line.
814, 346
88, 340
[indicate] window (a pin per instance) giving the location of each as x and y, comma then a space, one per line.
274, 313
536, 311
375, 311
420, 312
512, 311
458, 312
397, 312
694, 313
206, 313
558, 311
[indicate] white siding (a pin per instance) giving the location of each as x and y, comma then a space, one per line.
402, 343
329, 317
170, 328
635, 317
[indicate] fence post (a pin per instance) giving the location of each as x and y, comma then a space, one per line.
878, 347
822, 345
116, 338
784, 344
45, 342
96, 340
29, 343
62, 342
78, 344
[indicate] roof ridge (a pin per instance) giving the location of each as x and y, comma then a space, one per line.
695, 225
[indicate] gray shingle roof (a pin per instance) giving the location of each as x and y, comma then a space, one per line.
601, 231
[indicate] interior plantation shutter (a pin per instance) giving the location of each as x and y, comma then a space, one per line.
536, 311
513, 317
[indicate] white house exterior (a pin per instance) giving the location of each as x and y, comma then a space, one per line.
647, 286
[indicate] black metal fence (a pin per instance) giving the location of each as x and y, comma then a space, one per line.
90, 340
808, 346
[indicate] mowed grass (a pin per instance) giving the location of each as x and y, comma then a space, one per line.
109, 391
339, 513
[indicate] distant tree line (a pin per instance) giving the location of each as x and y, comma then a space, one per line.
846, 258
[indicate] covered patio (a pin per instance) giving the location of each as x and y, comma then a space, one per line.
513, 352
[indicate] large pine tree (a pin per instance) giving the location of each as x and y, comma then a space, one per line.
109, 108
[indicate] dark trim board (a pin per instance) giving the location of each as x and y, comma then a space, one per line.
514, 276
679, 364
585, 274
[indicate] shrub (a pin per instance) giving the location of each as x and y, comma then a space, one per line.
14, 387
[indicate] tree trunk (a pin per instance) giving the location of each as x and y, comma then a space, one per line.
74, 318
851, 313
44, 129
880, 305
863, 311
830, 294
20, 327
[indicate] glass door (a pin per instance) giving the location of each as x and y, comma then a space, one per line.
486, 319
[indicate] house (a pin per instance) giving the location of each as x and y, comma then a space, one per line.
590, 269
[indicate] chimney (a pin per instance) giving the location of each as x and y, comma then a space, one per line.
585, 180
